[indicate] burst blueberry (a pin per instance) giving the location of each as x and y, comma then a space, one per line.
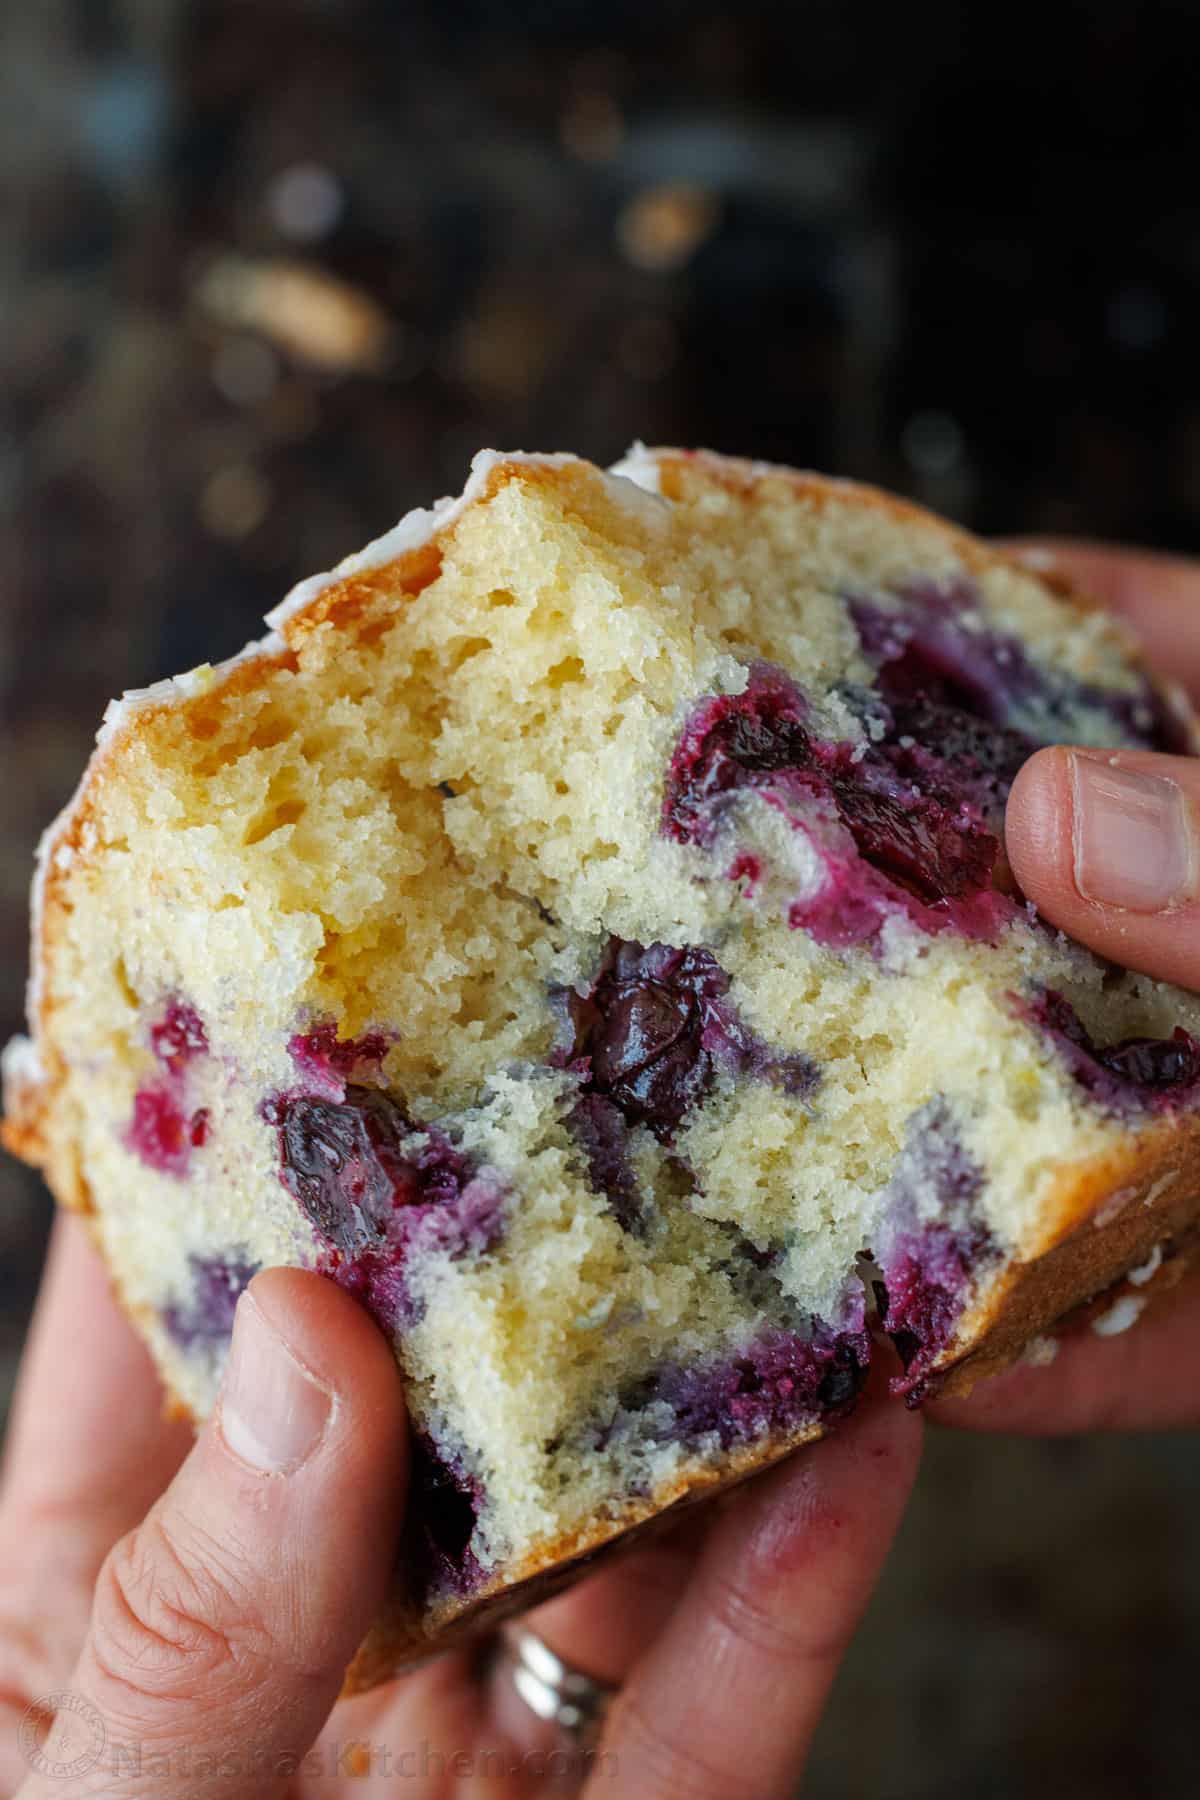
920, 846
653, 1027
929, 644
379, 1190
444, 1504
931, 1246
1135, 1074
779, 1382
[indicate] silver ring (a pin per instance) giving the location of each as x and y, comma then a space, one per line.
551, 1688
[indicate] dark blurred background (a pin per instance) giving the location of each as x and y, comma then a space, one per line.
269, 274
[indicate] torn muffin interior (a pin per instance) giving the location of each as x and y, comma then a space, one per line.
587, 948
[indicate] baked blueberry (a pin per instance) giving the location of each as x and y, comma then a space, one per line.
582, 931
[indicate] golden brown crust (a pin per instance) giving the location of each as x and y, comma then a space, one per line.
1106, 1216
400, 1636
22, 1129
1085, 1242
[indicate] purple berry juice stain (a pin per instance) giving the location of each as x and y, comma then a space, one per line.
886, 843
1135, 1075
326, 1062
646, 1038
930, 1246
779, 1382
444, 1504
179, 1036
205, 1315
911, 820
380, 1190
165, 1127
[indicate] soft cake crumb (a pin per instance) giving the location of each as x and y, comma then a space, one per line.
582, 933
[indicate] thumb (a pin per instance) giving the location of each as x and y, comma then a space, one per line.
222, 1624
1107, 846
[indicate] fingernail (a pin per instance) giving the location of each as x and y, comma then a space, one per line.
273, 1410
1134, 845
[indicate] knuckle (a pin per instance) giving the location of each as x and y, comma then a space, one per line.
661, 1764
175, 1620
45, 1604
29, 1654
771, 1630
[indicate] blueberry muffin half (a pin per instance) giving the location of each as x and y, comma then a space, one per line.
582, 929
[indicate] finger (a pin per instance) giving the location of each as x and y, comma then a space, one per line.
88, 1453
1142, 1380
87, 1434
606, 1622
727, 1699
1107, 846
1158, 596
223, 1623
602, 1626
